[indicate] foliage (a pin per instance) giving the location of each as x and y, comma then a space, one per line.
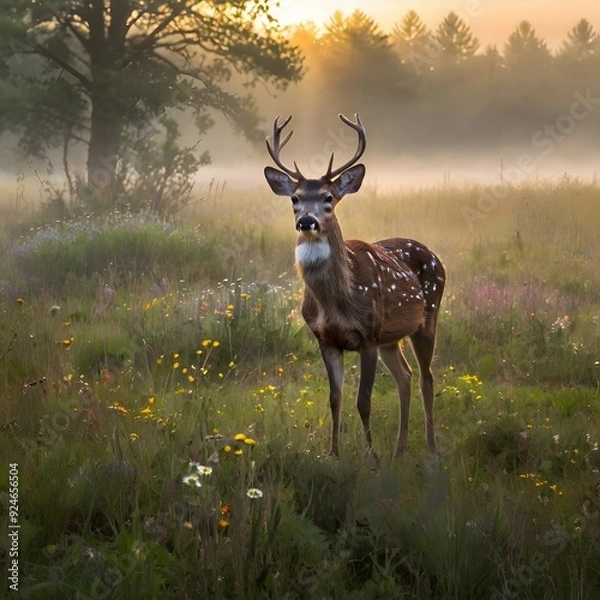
422, 89
456, 39
524, 48
114, 247
92, 72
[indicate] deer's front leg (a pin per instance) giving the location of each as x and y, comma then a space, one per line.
334, 364
368, 365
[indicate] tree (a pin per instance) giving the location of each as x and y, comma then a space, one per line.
98, 70
357, 59
525, 49
356, 31
582, 42
413, 41
455, 39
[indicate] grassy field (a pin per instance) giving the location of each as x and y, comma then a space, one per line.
164, 417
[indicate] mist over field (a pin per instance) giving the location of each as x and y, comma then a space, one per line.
439, 106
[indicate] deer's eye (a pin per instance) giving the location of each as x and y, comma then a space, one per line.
295, 200
328, 198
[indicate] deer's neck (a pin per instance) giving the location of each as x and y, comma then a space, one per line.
324, 266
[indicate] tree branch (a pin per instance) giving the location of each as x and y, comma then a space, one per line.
63, 64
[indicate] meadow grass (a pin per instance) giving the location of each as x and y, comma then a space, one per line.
167, 408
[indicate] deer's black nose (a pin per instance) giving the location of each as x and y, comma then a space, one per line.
307, 223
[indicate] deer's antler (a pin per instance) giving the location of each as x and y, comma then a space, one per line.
274, 146
362, 144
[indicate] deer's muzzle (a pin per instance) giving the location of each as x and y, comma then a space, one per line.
307, 223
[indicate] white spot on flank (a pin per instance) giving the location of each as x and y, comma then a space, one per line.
312, 253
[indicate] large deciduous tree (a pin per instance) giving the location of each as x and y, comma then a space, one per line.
99, 71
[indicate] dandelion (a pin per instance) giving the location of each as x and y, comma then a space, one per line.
193, 480
238, 452
227, 448
254, 493
239, 437
250, 441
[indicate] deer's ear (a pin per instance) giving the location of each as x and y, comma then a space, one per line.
349, 181
280, 183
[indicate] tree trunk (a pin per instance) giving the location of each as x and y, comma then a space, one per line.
106, 49
103, 146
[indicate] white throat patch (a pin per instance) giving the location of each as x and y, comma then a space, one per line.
312, 253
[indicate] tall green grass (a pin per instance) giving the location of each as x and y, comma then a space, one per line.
172, 359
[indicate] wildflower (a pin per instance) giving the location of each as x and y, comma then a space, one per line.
68, 341
204, 470
254, 493
20, 301
133, 436
116, 405
249, 442
223, 523
227, 448
54, 310
193, 465
238, 437
193, 480
238, 452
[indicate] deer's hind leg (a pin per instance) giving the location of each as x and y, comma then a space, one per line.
423, 343
394, 360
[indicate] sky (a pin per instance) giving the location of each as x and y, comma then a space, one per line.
491, 20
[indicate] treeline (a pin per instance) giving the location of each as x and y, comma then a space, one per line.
418, 88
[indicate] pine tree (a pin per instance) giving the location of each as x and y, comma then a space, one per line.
455, 39
581, 43
524, 48
410, 35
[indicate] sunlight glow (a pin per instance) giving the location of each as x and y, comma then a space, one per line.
492, 22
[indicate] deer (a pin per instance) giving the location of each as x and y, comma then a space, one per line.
359, 296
